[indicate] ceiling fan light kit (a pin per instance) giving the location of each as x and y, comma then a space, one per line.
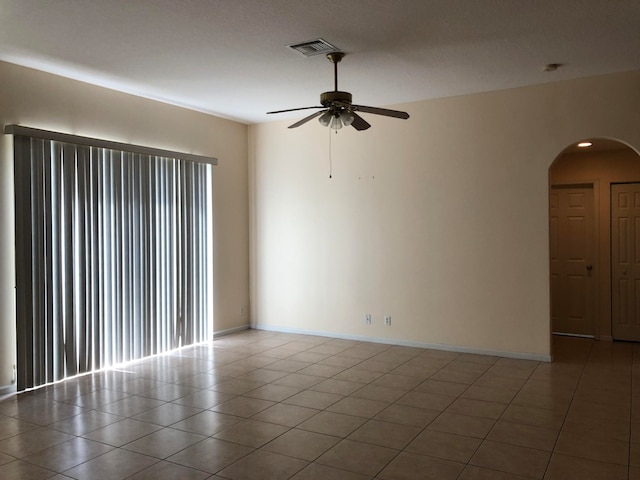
339, 110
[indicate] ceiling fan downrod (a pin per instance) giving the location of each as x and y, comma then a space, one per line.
335, 57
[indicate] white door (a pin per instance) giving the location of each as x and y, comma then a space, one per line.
625, 261
573, 284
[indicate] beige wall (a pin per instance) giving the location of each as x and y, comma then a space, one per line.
440, 221
600, 169
40, 100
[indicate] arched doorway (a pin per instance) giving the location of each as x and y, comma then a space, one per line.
593, 191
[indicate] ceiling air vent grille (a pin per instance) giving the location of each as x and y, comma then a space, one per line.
313, 47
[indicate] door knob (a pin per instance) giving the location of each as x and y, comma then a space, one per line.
589, 268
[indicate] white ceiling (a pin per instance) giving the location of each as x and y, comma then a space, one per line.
229, 57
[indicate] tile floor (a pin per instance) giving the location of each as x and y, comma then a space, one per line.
263, 405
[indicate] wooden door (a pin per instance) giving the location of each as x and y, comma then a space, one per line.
571, 244
625, 261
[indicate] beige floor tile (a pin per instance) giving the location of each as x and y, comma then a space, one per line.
273, 392
341, 387
170, 392
462, 425
593, 447
122, 432
85, 422
236, 386
319, 370
477, 408
12, 426
203, 380
441, 388
340, 361
313, 399
299, 380
263, 375
315, 471
557, 403
284, 414
252, 433
489, 380
598, 411
383, 394
410, 466
169, 471
420, 369
456, 376
287, 365
489, 394
330, 423
401, 382
32, 441
406, 415
207, 423
210, 455
204, 399
359, 375
533, 416
130, 406
164, 443
301, 444
117, 463
19, 469
385, 434
261, 465
99, 398
430, 401
68, 454
523, 461
446, 446
524, 435
360, 407
243, 406
586, 426
565, 467
634, 454
167, 414
471, 472
362, 458
4, 458
311, 357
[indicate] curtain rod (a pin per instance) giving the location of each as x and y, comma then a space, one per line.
96, 142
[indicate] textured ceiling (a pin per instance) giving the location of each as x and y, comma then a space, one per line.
229, 57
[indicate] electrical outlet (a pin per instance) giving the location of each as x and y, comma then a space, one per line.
387, 320
242, 311
367, 319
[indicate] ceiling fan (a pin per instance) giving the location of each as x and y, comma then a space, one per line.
338, 109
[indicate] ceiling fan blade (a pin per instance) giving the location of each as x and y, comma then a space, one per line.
381, 111
359, 123
294, 109
306, 119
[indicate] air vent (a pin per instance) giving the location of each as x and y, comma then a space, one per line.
314, 47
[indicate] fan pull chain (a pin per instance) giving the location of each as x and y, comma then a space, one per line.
330, 152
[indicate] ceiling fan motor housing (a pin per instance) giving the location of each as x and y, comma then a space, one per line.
328, 98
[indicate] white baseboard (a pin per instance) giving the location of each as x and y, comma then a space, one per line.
409, 343
8, 390
222, 333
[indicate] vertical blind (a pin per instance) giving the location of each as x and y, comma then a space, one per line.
114, 254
